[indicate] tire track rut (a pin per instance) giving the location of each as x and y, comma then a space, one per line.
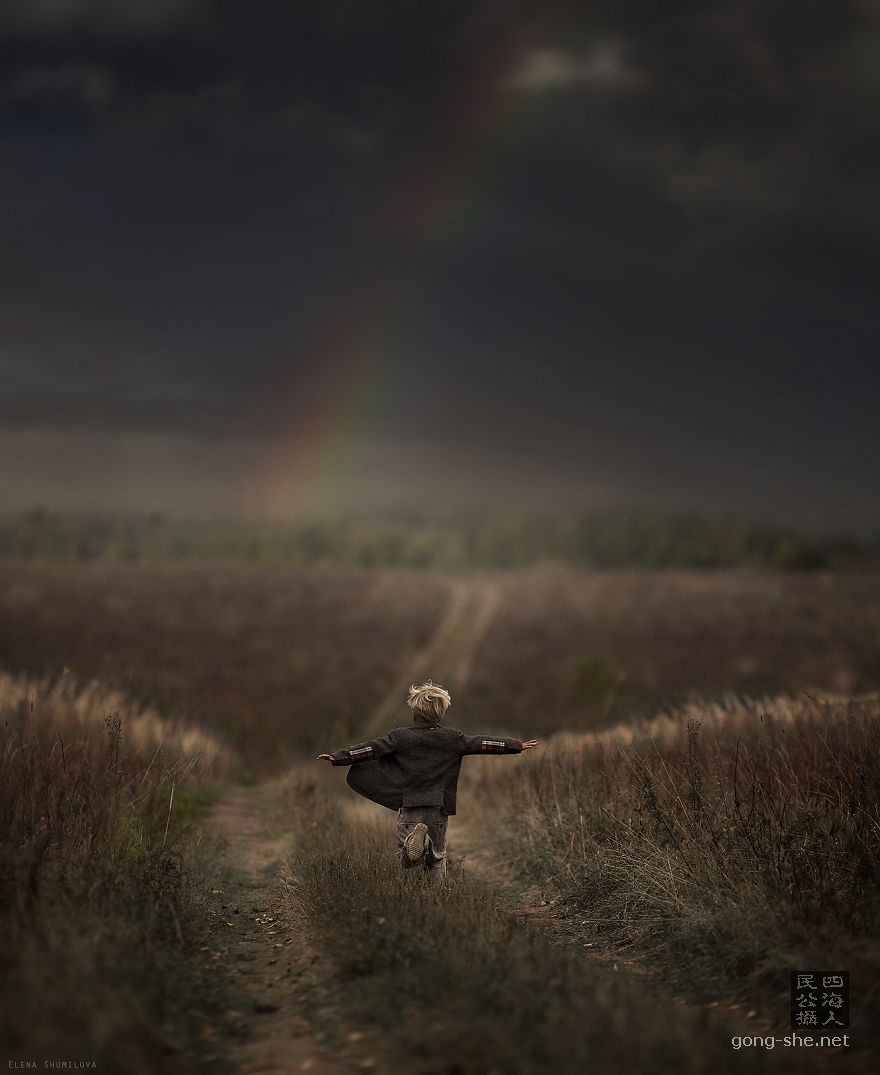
265, 947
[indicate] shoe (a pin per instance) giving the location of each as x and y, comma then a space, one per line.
414, 845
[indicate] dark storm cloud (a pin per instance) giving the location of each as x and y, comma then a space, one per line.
671, 240
747, 110
134, 18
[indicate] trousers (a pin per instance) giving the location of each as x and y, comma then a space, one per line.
434, 862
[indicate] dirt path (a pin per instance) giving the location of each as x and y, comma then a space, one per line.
448, 656
265, 947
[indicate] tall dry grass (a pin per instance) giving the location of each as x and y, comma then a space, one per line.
724, 844
452, 982
93, 793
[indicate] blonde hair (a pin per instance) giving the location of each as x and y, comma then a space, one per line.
429, 701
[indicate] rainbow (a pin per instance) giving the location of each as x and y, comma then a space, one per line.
341, 380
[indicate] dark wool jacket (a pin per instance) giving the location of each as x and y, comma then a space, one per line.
417, 765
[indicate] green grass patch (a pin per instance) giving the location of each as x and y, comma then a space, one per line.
190, 804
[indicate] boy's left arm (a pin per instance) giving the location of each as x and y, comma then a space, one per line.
368, 751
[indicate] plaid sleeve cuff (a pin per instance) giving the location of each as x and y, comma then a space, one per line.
361, 753
352, 755
499, 746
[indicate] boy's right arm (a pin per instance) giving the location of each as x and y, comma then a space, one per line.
368, 751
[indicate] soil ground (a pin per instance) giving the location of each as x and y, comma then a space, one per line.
268, 951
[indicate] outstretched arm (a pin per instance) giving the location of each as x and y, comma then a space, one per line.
372, 748
494, 744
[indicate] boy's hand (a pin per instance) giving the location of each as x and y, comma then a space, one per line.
529, 744
324, 757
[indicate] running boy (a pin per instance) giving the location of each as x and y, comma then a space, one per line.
414, 770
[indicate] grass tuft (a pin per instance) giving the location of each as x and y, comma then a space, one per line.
90, 874
453, 982
724, 845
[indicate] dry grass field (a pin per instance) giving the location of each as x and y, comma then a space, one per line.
700, 819
570, 649
272, 659
720, 845
277, 660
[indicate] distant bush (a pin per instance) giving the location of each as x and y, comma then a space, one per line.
594, 680
607, 539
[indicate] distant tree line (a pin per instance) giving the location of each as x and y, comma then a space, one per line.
638, 539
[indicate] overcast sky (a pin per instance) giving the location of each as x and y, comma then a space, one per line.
282, 257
